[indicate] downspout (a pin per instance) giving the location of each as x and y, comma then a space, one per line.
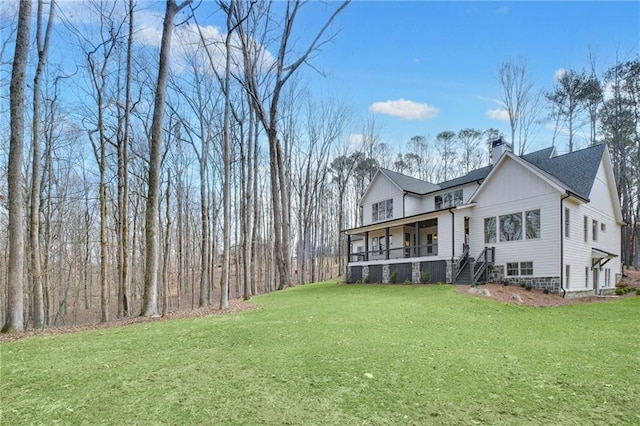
564, 291
453, 234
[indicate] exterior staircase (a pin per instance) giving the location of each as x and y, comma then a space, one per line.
464, 276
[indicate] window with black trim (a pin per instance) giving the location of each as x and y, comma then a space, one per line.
449, 199
511, 227
512, 269
526, 268
532, 224
489, 230
382, 210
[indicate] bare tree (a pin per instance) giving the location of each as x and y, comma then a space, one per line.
470, 143
42, 45
282, 69
520, 100
567, 101
150, 297
15, 304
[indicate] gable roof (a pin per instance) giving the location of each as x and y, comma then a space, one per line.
408, 183
472, 176
577, 169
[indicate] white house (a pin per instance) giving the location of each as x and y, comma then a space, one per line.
545, 220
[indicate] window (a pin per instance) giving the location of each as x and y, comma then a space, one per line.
382, 246
511, 227
567, 222
603, 227
512, 269
595, 230
382, 210
586, 229
457, 197
586, 277
526, 268
449, 199
567, 273
374, 244
489, 230
532, 224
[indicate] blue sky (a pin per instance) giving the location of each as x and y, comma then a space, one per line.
446, 55
422, 67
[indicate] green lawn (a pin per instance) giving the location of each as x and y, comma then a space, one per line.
338, 354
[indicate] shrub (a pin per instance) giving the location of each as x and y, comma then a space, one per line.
546, 291
638, 292
529, 287
367, 279
620, 291
407, 282
523, 285
425, 277
505, 283
481, 283
393, 277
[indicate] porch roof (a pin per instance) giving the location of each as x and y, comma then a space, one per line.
396, 222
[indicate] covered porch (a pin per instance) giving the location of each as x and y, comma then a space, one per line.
393, 241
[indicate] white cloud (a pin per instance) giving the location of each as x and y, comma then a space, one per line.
355, 138
560, 72
498, 114
403, 108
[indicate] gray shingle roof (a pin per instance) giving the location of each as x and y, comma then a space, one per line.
408, 183
577, 169
472, 176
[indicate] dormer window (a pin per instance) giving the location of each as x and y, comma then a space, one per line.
382, 210
449, 199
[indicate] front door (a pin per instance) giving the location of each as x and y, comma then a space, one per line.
596, 282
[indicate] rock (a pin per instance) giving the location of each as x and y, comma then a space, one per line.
368, 375
517, 298
485, 292
473, 290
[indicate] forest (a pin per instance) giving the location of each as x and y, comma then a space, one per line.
143, 172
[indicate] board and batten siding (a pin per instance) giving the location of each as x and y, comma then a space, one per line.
577, 251
514, 189
381, 189
412, 205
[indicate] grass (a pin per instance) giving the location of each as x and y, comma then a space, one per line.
333, 354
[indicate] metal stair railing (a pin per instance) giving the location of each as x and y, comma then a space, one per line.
462, 261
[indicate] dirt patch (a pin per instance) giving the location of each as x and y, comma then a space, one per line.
234, 306
537, 297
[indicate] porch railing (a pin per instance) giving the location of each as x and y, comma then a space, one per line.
395, 253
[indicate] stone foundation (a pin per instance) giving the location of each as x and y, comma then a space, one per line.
578, 294
608, 291
415, 272
449, 274
550, 283
385, 274
365, 273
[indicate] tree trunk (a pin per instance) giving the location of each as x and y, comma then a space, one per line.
15, 308
150, 298
36, 167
